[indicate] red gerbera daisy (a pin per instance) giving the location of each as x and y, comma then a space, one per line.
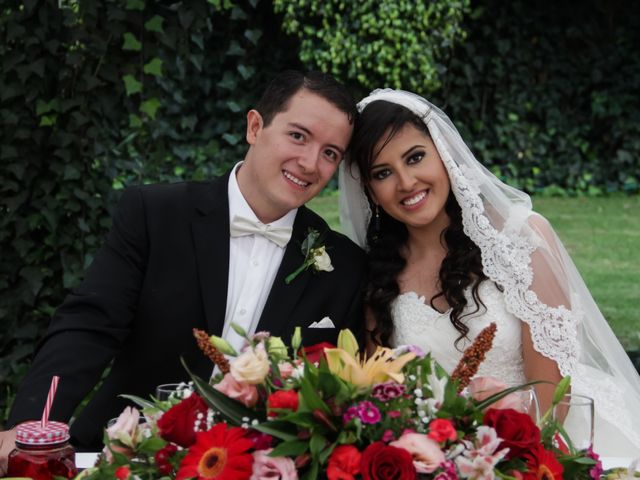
543, 465
218, 453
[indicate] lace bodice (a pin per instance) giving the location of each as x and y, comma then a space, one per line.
417, 323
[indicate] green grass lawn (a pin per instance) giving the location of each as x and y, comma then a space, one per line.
603, 237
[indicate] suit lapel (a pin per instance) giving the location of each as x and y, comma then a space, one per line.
211, 244
283, 298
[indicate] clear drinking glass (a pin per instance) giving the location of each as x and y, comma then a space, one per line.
173, 391
529, 402
576, 413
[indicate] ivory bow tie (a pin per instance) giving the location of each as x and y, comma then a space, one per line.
241, 226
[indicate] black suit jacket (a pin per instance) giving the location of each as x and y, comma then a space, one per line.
163, 271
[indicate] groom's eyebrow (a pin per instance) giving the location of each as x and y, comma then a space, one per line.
301, 127
310, 133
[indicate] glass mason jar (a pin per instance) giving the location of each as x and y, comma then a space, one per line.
42, 453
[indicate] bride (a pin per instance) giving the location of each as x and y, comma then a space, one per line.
452, 249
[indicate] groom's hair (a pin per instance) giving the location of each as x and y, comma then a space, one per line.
275, 98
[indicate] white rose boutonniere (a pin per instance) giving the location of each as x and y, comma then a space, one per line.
315, 256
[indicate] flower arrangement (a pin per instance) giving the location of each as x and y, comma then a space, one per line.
329, 412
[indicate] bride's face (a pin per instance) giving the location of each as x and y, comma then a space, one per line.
408, 179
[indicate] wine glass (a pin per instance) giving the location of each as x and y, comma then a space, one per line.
576, 414
173, 391
527, 401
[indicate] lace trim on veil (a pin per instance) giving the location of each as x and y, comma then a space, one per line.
506, 260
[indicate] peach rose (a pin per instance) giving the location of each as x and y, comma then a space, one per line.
242, 392
427, 454
251, 366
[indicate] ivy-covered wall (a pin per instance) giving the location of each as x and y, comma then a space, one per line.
548, 93
98, 94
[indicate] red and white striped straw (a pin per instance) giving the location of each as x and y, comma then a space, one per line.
47, 408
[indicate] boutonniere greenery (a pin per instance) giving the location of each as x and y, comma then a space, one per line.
315, 256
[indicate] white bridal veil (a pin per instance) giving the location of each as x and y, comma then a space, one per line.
541, 285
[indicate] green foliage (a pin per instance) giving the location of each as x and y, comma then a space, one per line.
547, 95
96, 95
376, 43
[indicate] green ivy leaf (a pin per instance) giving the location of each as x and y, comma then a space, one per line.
154, 67
135, 5
253, 35
131, 85
134, 121
154, 24
230, 138
246, 72
233, 106
131, 43
150, 107
48, 120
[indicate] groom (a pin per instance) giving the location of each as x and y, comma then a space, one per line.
203, 255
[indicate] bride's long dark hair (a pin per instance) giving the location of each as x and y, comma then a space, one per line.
387, 237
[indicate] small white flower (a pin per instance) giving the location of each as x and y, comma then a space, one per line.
321, 260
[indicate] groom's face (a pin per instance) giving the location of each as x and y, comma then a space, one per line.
292, 159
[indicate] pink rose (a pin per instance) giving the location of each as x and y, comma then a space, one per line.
264, 466
427, 454
242, 392
482, 388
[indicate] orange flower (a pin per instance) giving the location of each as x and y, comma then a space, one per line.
218, 453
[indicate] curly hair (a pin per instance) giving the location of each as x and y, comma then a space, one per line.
387, 237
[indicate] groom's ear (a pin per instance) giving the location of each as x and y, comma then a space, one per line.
254, 126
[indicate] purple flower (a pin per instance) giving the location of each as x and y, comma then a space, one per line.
368, 412
417, 350
388, 436
350, 414
388, 391
597, 470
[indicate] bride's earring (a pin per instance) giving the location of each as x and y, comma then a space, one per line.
376, 220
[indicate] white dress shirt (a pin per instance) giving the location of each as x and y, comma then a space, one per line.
253, 264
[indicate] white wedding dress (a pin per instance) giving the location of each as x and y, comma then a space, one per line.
417, 323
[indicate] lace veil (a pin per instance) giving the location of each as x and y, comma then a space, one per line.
522, 254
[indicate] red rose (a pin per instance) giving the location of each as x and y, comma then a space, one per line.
286, 399
380, 461
344, 463
542, 463
517, 430
177, 424
441, 430
314, 352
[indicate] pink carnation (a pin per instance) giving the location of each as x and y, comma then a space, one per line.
368, 412
387, 391
244, 393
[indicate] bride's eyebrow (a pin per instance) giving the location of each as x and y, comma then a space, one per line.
410, 150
